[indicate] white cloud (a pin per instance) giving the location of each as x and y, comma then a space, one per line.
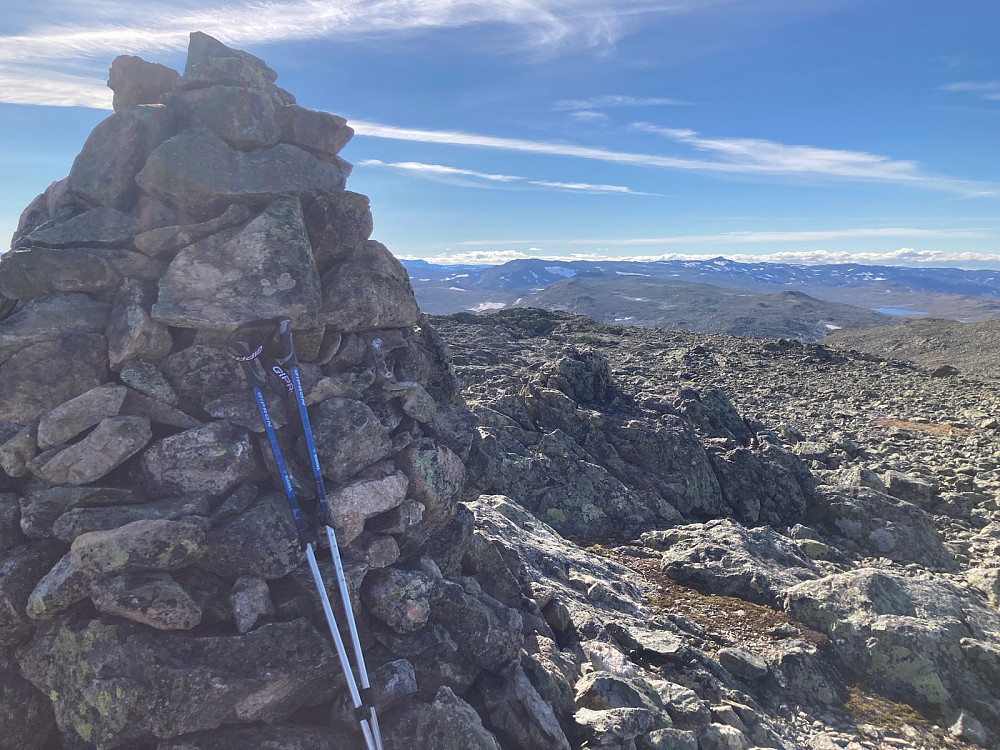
441, 171
438, 170
900, 257
587, 115
616, 100
740, 156
42, 87
768, 156
93, 32
985, 89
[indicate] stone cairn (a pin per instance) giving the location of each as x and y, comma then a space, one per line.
152, 585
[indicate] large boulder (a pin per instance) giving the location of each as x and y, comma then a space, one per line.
50, 316
117, 684
30, 272
97, 227
26, 718
198, 174
369, 290
261, 541
211, 459
723, 557
348, 436
136, 81
338, 224
922, 641
113, 441
138, 546
104, 173
265, 270
50, 372
244, 118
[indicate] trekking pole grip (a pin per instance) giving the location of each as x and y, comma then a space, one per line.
288, 356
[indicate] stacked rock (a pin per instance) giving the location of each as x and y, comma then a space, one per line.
151, 576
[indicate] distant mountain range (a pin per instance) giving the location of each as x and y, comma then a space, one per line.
714, 296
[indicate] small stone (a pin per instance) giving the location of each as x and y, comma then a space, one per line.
743, 663
400, 598
147, 380
722, 737
250, 599
18, 451
153, 599
132, 333
352, 505
968, 728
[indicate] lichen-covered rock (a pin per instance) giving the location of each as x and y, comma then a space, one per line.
352, 505
132, 333
369, 290
50, 372
348, 436
261, 541
401, 598
909, 489
110, 444
18, 450
203, 67
884, 526
436, 475
722, 557
199, 374
250, 599
60, 588
760, 489
265, 270
79, 413
96, 227
519, 715
136, 81
151, 598
50, 316
138, 546
104, 172
265, 737
21, 569
31, 272
449, 723
199, 175
78, 521
116, 684
713, 413
40, 508
211, 460
338, 224
319, 133
909, 638
244, 118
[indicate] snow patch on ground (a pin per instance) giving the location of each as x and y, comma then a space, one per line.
484, 306
560, 271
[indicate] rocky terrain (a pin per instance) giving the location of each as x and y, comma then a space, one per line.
559, 535
971, 348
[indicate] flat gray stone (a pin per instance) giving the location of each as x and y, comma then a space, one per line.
136, 81
153, 599
59, 589
33, 271
50, 316
113, 441
77, 521
319, 133
199, 175
82, 412
244, 118
97, 227
353, 504
138, 546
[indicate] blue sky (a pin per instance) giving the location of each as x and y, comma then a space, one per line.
794, 129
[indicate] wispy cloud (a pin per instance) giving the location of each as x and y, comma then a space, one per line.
436, 170
433, 171
742, 156
616, 100
900, 257
88, 34
989, 90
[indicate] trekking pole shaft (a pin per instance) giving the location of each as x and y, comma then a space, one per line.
331, 622
286, 480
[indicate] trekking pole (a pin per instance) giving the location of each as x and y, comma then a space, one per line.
257, 380
290, 359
